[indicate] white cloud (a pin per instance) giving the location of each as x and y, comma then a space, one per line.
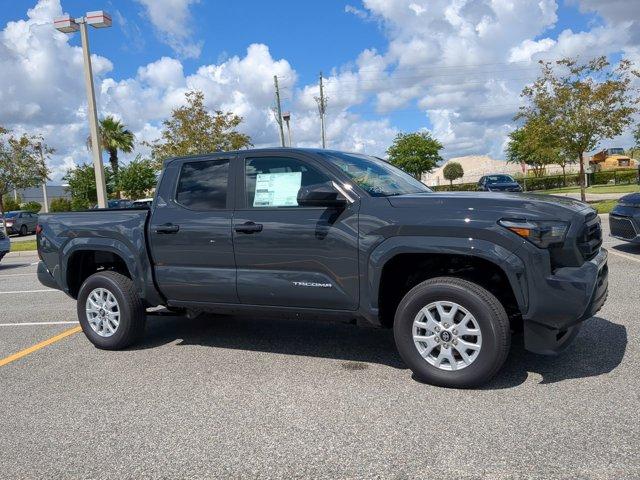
172, 19
459, 64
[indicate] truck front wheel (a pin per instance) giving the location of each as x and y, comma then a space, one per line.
452, 332
110, 311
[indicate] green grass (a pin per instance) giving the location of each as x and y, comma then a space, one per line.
604, 206
595, 189
28, 245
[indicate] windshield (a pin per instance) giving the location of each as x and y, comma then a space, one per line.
375, 176
616, 151
11, 214
500, 179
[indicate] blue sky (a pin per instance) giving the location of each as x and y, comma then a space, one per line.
453, 67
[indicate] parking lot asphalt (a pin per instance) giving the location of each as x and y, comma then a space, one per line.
222, 397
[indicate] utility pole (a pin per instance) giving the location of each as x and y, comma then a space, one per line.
322, 108
278, 110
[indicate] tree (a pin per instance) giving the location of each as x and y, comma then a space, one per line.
192, 130
82, 186
583, 103
415, 153
113, 137
453, 171
137, 178
633, 151
534, 144
22, 162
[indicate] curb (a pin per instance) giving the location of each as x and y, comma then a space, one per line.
28, 253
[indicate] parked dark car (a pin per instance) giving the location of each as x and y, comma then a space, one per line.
326, 234
624, 219
20, 222
498, 183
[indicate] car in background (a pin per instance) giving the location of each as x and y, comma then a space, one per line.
142, 203
20, 222
498, 183
5, 245
624, 219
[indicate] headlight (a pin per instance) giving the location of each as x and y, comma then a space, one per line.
541, 233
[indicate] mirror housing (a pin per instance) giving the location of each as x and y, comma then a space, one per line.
320, 195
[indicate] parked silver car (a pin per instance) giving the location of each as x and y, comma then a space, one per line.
20, 222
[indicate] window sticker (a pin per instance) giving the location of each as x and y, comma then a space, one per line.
277, 189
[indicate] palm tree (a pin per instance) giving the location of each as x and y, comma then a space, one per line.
113, 137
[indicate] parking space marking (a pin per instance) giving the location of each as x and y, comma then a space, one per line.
27, 324
38, 346
628, 257
33, 274
30, 291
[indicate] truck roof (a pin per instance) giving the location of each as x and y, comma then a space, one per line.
258, 151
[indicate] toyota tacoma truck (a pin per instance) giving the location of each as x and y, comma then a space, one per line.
320, 233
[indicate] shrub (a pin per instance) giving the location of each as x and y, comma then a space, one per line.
10, 203
80, 203
628, 175
60, 205
459, 187
32, 206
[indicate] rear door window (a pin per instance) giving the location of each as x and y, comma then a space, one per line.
203, 185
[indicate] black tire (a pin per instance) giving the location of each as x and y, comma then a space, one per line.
132, 311
23, 230
490, 316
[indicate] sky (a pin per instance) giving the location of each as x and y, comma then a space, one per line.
453, 67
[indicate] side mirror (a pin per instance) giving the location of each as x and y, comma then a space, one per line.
320, 195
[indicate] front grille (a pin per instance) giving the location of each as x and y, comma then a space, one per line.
590, 237
622, 227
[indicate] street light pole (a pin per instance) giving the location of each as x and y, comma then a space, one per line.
96, 151
67, 24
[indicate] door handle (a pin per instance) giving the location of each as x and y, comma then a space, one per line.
167, 228
249, 227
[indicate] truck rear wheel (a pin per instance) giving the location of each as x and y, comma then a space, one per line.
110, 311
452, 332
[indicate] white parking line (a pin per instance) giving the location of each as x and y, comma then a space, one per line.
27, 324
19, 275
30, 291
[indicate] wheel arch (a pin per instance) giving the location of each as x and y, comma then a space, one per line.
415, 259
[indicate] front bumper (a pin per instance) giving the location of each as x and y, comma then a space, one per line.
562, 301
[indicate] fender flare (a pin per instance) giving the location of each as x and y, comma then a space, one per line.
136, 269
507, 261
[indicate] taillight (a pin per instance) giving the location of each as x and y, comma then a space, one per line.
38, 229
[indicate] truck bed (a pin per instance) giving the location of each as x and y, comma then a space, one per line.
119, 231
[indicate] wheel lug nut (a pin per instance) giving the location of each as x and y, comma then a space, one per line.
446, 325
437, 329
455, 332
455, 342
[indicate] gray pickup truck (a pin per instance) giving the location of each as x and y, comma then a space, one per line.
319, 233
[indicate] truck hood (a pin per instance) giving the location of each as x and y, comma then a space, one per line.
504, 205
